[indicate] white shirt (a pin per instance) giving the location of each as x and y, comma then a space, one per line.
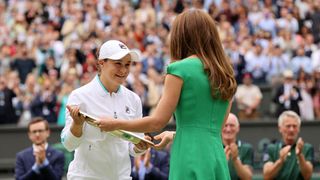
99, 155
247, 95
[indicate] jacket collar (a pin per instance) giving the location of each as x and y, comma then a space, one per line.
282, 144
100, 89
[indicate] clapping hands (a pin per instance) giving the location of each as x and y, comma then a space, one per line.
231, 151
39, 153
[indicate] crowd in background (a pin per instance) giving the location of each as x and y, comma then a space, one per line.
48, 48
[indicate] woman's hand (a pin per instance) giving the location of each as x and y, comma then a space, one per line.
165, 138
107, 124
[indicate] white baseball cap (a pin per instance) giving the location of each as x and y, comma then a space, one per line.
115, 50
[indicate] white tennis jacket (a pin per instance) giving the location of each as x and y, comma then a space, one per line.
99, 155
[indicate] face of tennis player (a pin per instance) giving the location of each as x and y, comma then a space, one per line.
38, 133
289, 130
230, 129
115, 72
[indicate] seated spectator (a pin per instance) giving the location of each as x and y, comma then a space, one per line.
238, 153
278, 63
301, 62
153, 165
257, 64
290, 158
248, 98
40, 161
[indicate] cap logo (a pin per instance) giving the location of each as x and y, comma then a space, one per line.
122, 46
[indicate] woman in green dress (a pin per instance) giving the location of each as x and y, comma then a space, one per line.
198, 88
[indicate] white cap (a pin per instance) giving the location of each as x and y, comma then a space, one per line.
115, 50
287, 73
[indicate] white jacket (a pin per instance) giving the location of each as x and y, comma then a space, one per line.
99, 155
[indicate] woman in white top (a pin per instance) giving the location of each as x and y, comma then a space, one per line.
99, 155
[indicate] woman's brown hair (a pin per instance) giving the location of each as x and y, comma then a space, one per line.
194, 33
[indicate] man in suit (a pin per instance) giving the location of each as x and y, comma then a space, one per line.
288, 95
40, 161
153, 165
239, 154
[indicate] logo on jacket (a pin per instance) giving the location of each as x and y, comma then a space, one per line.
127, 110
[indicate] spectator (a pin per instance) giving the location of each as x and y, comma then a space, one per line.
151, 59
155, 88
24, 63
257, 64
237, 59
267, 22
290, 158
315, 18
40, 161
287, 95
70, 62
153, 165
316, 103
31, 88
248, 98
43, 104
315, 58
278, 63
7, 111
239, 154
287, 21
301, 62
305, 84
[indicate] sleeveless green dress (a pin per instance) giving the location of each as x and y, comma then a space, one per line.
197, 152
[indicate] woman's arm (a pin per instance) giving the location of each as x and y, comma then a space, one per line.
161, 115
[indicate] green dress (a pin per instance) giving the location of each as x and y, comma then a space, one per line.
197, 152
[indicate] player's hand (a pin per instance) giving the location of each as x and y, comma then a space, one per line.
74, 113
142, 146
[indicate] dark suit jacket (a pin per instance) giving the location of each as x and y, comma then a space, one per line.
294, 106
160, 167
25, 160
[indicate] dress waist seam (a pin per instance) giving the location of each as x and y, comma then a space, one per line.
210, 129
